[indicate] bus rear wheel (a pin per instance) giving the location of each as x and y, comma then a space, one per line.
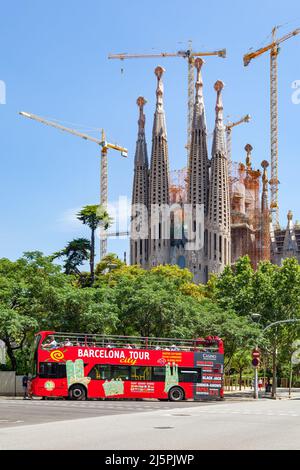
77, 392
176, 394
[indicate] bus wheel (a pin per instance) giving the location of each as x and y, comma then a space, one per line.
176, 394
77, 392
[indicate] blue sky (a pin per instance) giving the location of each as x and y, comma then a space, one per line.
53, 60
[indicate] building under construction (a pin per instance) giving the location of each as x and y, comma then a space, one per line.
285, 242
234, 196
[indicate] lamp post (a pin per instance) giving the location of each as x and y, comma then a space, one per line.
255, 361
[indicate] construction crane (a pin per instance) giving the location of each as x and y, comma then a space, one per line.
103, 173
189, 55
118, 234
274, 49
228, 128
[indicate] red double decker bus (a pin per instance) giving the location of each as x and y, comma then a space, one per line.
80, 366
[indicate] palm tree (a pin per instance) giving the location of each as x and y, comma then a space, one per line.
94, 216
76, 252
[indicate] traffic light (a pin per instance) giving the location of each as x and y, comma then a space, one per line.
255, 362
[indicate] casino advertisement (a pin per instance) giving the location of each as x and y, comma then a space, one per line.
212, 366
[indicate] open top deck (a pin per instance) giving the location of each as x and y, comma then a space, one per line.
210, 343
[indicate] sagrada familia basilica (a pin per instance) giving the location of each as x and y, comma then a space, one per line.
221, 204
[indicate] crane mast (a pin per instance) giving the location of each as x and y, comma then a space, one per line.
228, 129
190, 56
274, 181
103, 167
273, 48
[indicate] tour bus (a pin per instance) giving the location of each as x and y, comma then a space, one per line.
82, 366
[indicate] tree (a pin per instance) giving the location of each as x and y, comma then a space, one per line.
93, 216
241, 361
13, 330
164, 302
108, 264
271, 291
233, 289
76, 252
23, 285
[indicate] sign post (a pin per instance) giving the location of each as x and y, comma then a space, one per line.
255, 363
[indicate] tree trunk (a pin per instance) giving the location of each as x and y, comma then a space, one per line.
274, 366
92, 258
11, 356
241, 373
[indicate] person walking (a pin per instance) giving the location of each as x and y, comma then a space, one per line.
25, 386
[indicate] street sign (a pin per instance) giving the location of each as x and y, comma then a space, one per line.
256, 353
255, 361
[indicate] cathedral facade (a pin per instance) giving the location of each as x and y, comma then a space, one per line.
218, 217
195, 232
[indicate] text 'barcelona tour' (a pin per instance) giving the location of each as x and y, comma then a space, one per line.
113, 354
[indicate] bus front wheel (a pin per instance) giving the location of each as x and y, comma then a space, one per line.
176, 394
77, 392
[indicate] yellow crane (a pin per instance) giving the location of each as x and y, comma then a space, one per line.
228, 128
190, 56
274, 49
103, 173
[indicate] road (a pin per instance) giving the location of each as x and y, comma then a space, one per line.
241, 424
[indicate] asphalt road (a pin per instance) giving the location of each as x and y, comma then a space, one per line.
263, 424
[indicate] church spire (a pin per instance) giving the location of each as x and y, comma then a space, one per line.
159, 177
264, 198
290, 245
140, 193
141, 155
159, 170
159, 124
198, 180
219, 141
219, 204
199, 120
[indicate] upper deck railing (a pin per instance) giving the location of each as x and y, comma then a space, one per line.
130, 342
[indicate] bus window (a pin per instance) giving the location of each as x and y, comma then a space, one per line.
189, 375
140, 373
53, 370
100, 372
158, 374
120, 372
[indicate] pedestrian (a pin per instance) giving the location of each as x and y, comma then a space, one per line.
25, 386
260, 384
52, 344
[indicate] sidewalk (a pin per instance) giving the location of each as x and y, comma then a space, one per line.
247, 394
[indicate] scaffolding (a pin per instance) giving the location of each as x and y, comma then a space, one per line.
246, 214
178, 186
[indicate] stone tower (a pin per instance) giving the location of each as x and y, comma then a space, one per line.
265, 253
140, 195
198, 180
219, 238
285, 242
159, 182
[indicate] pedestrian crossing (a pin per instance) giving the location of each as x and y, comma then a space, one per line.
168, 408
